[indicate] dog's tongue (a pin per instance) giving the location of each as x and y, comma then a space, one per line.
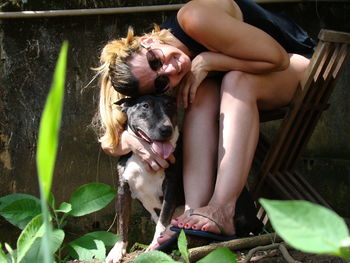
164, 149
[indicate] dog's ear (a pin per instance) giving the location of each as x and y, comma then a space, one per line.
124, 103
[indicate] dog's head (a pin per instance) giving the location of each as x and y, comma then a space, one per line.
154, 119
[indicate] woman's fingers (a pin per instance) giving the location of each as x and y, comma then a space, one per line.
193, 92
171, 159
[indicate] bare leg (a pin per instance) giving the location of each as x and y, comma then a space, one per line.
241, 96
200, 148
200, 145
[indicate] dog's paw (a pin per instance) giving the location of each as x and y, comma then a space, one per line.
117, 252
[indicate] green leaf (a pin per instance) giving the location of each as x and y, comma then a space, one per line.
20, 211
108, 238
50, 125
182, 245
90, 198
7, 199
222, 255
64, 208
87, 248
154, 257
47, 145
35, 253
308, 227
31, 232
3, 258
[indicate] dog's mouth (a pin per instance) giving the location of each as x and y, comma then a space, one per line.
162, 148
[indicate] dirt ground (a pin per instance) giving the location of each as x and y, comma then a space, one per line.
268, 257
272, 258
275, 252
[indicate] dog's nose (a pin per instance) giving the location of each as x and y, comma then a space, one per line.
166, 130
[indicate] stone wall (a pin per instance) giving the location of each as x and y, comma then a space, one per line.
28, 53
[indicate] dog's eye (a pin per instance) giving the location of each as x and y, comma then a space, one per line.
145, 106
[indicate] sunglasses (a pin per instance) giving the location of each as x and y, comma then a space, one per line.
155, 58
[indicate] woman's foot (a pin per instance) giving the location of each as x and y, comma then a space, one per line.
163, 238
215, 219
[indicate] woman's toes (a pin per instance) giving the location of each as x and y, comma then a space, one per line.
198, 225
179, 221
191, 222
174, 221
188, 221
210, 227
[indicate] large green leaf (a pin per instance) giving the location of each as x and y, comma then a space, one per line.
108, 238
87, 248
31, 232
306, 226
7, 199
154, 257
222, 255
35, 253
90, 198
20, 209
50, 125
47, 145
182, 245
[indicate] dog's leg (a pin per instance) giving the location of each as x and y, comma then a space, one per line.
171, 185
122, 223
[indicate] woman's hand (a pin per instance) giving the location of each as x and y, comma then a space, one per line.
192, 80
151, 161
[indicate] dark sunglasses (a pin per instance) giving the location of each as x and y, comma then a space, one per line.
155, 58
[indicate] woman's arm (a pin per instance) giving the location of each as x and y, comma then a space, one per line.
123, 147
217, 27
213, 61
206, 62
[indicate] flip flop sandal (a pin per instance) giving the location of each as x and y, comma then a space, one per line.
205, 234
169, 245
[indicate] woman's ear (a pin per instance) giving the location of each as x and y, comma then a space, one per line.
148, 41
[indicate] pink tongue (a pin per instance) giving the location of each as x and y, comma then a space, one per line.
163, 149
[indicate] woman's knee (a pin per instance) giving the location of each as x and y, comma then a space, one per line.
207, 97
239, 85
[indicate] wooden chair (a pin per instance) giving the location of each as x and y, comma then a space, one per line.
277, 160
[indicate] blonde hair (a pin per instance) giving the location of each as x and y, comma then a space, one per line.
117, 81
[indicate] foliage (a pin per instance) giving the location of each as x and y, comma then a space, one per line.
29, 241
222, 255
39, 239
309, 227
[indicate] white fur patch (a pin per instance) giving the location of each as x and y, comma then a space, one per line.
145, 186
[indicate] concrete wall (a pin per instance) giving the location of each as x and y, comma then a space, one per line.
29, 49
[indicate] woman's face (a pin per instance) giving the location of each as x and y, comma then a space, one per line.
159, 67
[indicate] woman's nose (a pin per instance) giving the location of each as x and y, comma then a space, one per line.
169, 69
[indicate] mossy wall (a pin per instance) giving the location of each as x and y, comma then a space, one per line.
28, 52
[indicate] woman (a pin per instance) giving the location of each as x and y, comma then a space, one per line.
221, 124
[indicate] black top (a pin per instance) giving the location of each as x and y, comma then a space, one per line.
281, 27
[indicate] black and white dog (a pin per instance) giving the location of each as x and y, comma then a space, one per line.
154, 119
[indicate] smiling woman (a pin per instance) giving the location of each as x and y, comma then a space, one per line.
259, 55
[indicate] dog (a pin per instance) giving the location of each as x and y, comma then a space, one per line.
152, 118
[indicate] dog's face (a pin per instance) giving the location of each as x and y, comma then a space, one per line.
153, 118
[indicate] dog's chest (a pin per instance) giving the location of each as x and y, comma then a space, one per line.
145, 186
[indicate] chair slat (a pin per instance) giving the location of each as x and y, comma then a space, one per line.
296, 128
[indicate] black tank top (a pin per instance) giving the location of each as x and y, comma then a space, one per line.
279, 26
